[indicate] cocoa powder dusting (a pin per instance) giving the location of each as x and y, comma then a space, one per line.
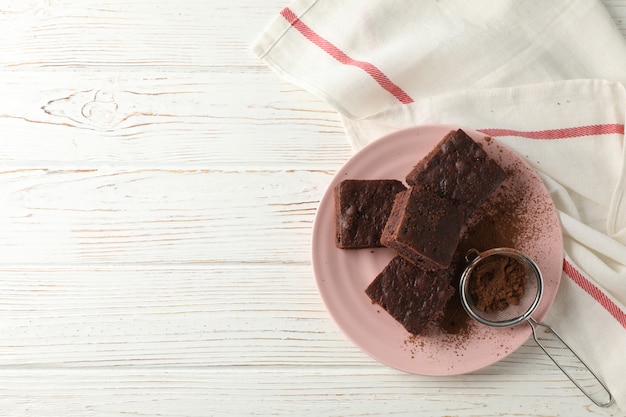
504, 220
497, 282
507, 219
454, 320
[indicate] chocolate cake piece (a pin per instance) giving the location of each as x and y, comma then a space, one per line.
423, 228
459, 170
361, 211
412, 296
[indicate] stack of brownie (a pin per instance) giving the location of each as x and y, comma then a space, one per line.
421, 223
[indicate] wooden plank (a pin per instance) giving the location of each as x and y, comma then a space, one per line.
331, 391
184, 34
198, 120
158, 216
218, 315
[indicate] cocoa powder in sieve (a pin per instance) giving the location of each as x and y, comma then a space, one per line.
497, 282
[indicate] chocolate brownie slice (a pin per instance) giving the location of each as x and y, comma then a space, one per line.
361, 211
412, 296
423, 228
459, 170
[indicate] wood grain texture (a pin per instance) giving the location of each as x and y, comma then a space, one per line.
340, 391
110, 215
159, 186
184, 35
191, 120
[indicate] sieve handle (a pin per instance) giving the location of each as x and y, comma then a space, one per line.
533, 325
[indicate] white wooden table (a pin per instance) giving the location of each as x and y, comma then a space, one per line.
158, 188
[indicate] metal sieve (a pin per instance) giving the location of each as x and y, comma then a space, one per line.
520, 309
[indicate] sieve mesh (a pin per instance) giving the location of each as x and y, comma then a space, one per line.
513, 313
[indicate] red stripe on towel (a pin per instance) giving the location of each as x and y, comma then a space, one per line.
342, 57
570, 132
595, 292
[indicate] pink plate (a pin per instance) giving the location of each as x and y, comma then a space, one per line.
343, 275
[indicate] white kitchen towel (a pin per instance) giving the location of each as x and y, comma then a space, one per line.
546, 78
